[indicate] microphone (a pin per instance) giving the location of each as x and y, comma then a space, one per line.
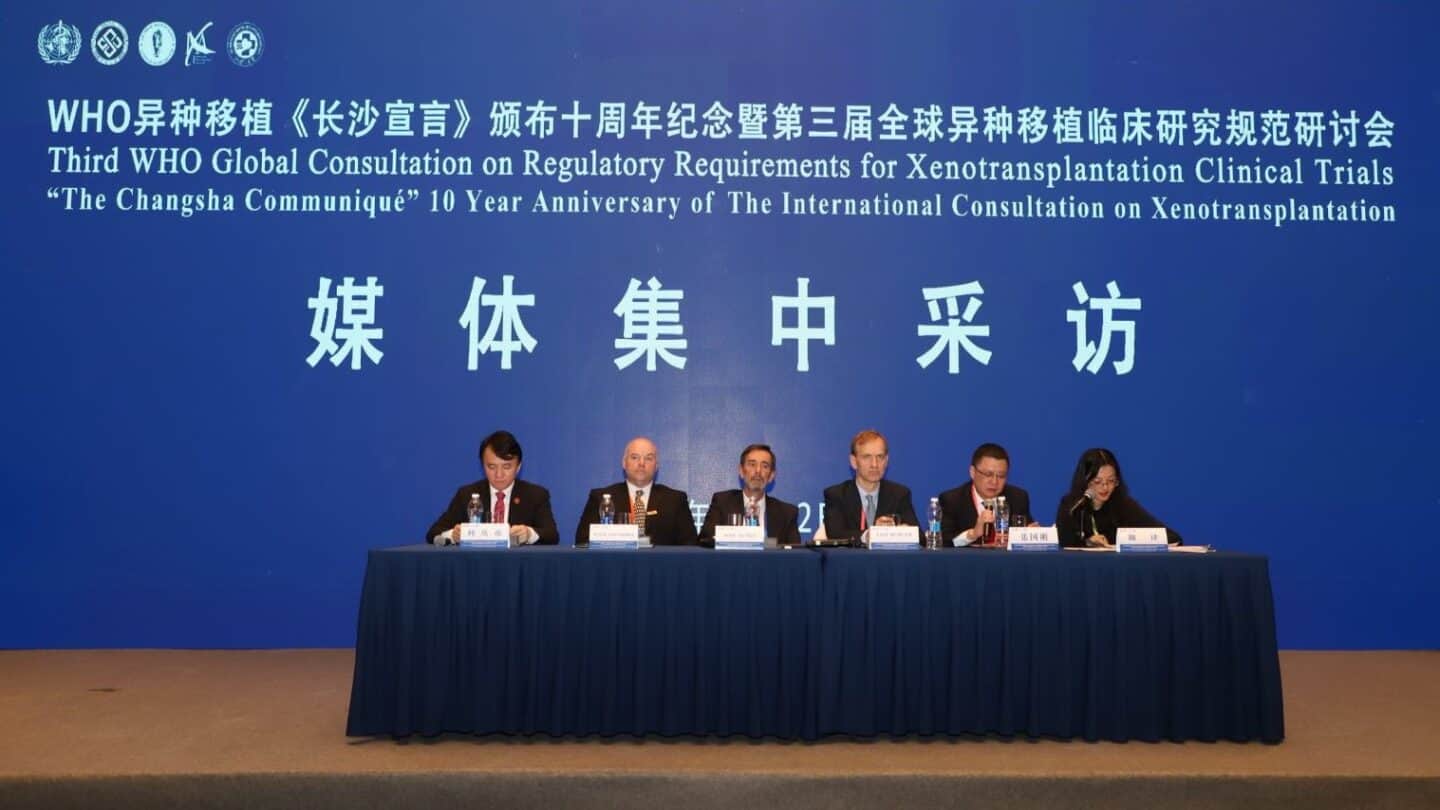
1084, 499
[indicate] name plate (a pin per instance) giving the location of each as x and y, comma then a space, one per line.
893, 538
485, 535
1149, 539
614, 535
1034, 538
739, 538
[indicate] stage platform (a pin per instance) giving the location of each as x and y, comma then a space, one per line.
265, 728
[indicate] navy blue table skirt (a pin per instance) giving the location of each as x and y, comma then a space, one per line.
1099, 646
563, 641
798, 645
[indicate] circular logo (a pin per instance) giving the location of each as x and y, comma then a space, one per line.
245, 44
109, 42
59, 43
156, 43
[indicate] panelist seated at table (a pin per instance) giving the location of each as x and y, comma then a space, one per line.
963, 514
757, 471
1099, 504
504, 498
662, 513
852, 507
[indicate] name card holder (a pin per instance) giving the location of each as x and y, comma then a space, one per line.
739, 538
1147, 539
614, 536
488, 536
893, 538
1034, 538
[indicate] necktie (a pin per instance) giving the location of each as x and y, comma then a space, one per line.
869, 512
638, 505
497, 515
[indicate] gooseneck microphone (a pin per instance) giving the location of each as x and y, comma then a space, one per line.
1083, 499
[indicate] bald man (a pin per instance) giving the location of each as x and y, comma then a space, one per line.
663, 512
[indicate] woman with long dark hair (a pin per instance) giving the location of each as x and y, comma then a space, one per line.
1099, 503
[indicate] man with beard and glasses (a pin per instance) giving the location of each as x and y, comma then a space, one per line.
757, 471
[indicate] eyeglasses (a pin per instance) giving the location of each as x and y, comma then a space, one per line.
991, 476
1106, 482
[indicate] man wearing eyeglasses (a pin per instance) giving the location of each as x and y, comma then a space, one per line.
757, 472
963, 512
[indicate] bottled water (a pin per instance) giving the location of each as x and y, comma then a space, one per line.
932, 525
607, 509
475, 509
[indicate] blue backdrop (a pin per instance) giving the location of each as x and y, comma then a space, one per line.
177, 474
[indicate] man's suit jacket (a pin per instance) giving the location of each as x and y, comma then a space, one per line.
668, 521
782, 520
842, 507
529, 506
957, 509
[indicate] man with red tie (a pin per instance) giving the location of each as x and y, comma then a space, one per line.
504, 498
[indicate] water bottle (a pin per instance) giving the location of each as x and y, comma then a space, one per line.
475, 509
1002, 521
752, 512
607, 509
932, 526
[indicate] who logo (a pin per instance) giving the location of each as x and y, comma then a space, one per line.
59, 43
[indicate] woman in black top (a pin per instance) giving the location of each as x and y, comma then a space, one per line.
1099, 503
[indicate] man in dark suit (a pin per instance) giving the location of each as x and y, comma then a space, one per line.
662, 513
853, 506
757, 471
503, 498
963, 512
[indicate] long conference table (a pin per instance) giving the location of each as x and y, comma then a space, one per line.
801, 644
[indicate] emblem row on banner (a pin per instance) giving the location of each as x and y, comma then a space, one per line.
60, 42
